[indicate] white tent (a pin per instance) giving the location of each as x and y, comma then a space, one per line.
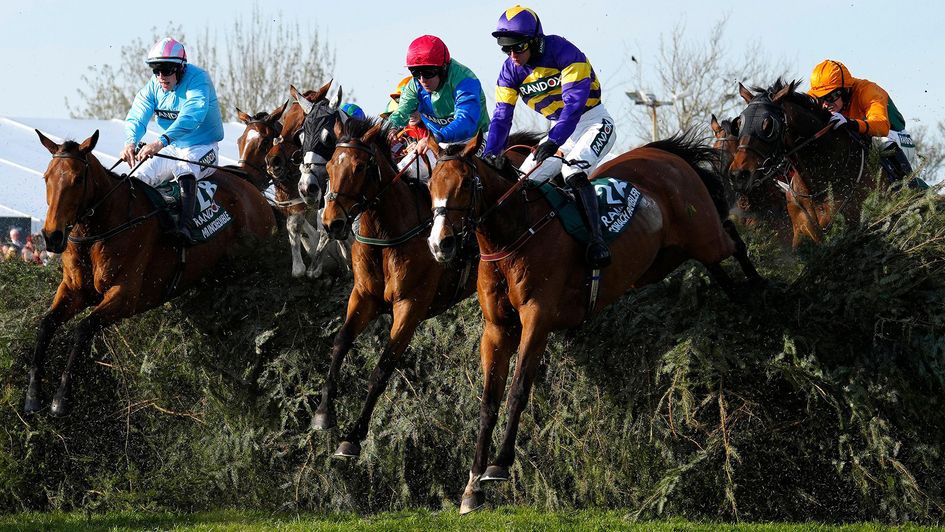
23, 160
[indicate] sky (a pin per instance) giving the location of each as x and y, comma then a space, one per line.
47, 45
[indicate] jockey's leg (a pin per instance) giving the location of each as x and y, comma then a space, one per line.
598, 255
188, 200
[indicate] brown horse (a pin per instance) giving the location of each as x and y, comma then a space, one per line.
267, 147
118, 260
786, 133
764, 203
533, 279
393, 270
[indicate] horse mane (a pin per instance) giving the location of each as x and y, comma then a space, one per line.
69, 146
800, 98
689, 147
355, 128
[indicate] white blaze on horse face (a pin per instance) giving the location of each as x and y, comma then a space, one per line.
251, 135
436, 234
307, 181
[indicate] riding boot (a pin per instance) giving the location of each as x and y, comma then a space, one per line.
188, 199
598, 255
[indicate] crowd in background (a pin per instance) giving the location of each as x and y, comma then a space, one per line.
28, 249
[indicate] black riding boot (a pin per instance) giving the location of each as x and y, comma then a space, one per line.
188, 199
598, 255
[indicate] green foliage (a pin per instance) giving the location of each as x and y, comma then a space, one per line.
820, 398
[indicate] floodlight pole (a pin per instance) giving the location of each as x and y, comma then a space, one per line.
648, 99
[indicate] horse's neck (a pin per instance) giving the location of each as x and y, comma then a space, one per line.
401, 207
118, 207
507, 222
833, 155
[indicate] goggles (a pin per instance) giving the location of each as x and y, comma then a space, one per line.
426, 72
515, 48
165, 69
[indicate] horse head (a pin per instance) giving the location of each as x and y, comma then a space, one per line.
321, 127
354, 175
726, 141
455, 189
261, 131
773, 126
70, 188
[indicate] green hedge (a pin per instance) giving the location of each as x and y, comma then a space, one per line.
819, 399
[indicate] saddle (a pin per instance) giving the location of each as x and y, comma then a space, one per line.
208, 218
617, 202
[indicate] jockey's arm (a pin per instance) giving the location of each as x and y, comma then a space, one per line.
408, 104
575, 88
192, 111
466, 114
501, 124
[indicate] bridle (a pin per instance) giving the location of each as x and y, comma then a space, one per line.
273, 126
88, 212
469, 221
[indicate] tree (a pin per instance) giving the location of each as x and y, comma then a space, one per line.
259, 59
930, 150
701, 78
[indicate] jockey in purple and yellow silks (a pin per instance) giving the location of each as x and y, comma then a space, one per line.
554, 78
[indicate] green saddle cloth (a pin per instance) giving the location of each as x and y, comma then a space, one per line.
617, 202
208, 218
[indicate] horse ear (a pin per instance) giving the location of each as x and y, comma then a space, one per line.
244, 118
336, 99
473, 145
50, 145
303, 102
339, 127
89, 143
782, 93
434, 146
320, 93
277, 113
714, 124
746, 94
371, 133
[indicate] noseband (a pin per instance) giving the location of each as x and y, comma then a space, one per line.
469, 222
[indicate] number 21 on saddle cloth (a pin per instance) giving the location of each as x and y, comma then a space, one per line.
617, 202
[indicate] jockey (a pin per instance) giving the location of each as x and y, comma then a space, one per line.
865, 108
448, 96
409, 135
395, 95
188, 116
555, 79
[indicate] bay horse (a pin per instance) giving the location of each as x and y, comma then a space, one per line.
118, 260
394, 272
532, 274
763, 203
787, 133
265, 152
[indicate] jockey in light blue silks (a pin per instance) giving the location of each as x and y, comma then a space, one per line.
555, 79
188, 114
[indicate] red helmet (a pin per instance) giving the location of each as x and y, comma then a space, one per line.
427, 50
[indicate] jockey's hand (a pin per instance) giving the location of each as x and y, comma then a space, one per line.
544, 150
421, 147
148, 150
496, 161
838, 120
392, 135
128, 155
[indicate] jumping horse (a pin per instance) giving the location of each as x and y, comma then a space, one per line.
267, 148
115, 257
764, 203
393, 270
532, 275
785, 137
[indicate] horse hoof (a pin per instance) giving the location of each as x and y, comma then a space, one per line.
495, 473
31, 405
473, 502
348, 449
323, 421
59, 407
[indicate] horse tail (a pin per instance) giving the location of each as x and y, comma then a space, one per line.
703, 159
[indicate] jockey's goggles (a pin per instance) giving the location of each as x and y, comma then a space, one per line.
517, 48
833, 96
165, 69
426, 72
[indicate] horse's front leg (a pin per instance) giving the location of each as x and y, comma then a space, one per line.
362, 309
495, 351
530, 349
66, 304
407, 316
293, 227
114, 306
314, 240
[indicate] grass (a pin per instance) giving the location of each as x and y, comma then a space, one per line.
504, 518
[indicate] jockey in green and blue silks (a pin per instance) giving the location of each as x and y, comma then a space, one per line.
184, 100
554, 78
447, 94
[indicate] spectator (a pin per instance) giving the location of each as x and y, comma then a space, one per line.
16, 238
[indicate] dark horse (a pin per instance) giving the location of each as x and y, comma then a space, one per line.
118, 260
785, 137
535, 278
393, 270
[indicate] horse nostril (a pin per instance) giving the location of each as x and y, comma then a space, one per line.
336, 228
447, 244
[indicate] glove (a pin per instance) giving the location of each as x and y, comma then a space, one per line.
544, 150
838, 120
496, 161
